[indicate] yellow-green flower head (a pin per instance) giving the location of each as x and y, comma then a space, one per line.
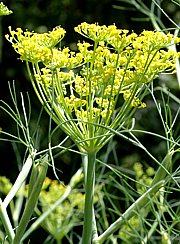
110, 34
100, 85
154, 40
4, 10
35, 47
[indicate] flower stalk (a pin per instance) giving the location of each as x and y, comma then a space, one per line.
89, 199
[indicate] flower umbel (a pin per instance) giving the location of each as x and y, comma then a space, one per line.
99, 86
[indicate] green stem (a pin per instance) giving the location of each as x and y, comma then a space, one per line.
74, 180
58, 241
129, 213
32, 200
157, 183
150, 232
89, 198
164, 168
85, 165
6, 222
94, 227
18, 206
19, 181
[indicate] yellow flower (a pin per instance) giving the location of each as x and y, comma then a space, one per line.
35, 47
133, 100
4, 10
101, 83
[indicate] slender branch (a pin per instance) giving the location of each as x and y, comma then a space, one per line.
157, 183
129, 213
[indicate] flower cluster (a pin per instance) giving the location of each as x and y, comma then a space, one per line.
143, 177
101, 83
4, 10
35, 47
67, 214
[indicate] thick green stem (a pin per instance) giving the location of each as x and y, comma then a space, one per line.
85, 164
89, 198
